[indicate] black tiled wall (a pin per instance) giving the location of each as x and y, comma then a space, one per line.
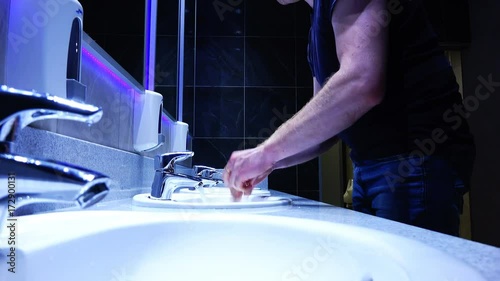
246, 72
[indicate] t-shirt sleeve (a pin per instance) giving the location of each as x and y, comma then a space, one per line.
310, 53
332, 6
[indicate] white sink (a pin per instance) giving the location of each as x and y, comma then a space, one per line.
215, 198
139, 246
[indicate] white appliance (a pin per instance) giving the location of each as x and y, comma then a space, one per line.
40, 46
148, 110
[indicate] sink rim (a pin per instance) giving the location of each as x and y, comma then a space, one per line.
144, 200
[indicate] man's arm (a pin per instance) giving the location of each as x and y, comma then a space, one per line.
312, 152
306, 155
357, 87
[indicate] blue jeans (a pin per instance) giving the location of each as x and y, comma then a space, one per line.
422, 191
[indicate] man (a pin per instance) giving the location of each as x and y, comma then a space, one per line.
384, 87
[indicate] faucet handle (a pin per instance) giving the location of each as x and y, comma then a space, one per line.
197, 169
205, 172
167, 161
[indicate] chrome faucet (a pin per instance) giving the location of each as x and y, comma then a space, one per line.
166, 181
207, 172
25, 180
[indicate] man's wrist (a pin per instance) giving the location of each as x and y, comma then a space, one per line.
270, 154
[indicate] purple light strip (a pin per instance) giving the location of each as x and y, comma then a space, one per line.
105, 69
166, 119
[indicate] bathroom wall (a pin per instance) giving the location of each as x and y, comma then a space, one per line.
246, 73
481, 63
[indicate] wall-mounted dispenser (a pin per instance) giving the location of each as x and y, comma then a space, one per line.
148, 110
178, 136
41, 48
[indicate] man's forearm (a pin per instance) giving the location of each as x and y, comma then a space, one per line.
340, 103
306, 155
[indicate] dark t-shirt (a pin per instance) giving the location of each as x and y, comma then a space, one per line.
421, 89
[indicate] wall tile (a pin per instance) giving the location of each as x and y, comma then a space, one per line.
304, 95
270, 62
219, 61
304, 74
189, 60
302, 19
266, 109
219, 112
127, 51
188, 109
113, 17
167, 19
166, 61
190, 27
220, 18
214, 152
283, 179
308, 175
269, 18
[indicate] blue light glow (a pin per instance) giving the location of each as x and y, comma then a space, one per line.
104, 69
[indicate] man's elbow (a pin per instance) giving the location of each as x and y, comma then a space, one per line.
373, 91
367, 83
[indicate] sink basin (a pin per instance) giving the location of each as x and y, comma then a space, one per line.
138, 246
215, 198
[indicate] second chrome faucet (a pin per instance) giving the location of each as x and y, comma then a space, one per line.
167, 181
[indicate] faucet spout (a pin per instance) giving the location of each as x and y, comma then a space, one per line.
31, 181
168, 184
47, 181
21, 108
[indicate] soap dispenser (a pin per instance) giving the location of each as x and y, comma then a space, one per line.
148, 109
42, 49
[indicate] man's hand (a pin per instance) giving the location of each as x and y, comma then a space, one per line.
245, 169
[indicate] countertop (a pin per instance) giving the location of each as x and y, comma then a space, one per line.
484, 258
